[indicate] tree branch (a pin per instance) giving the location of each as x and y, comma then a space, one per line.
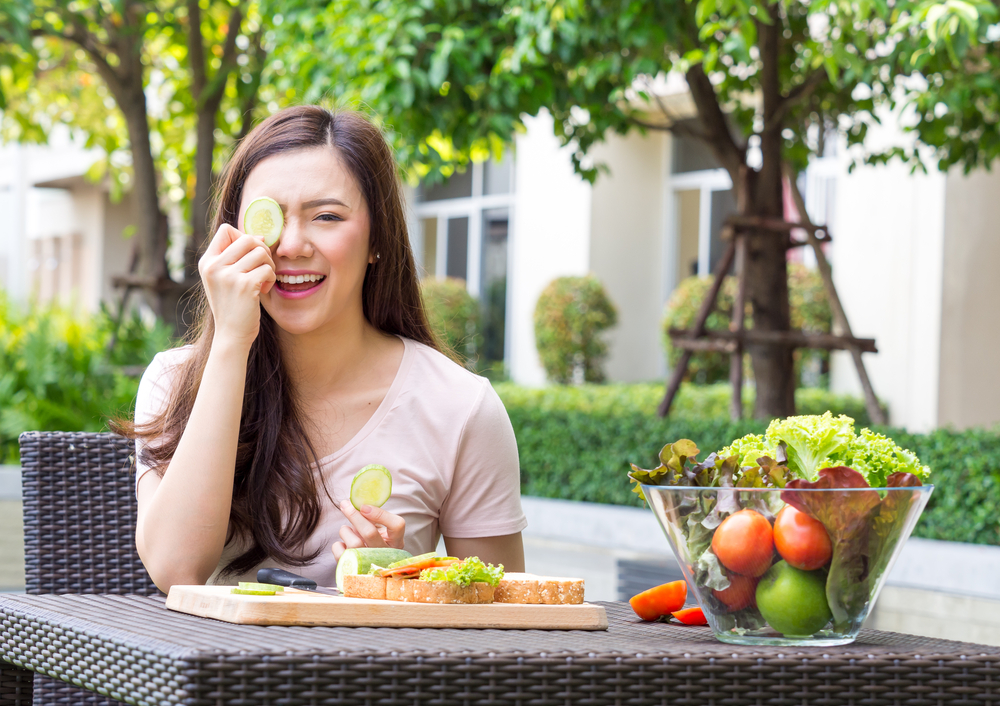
717, 134
84, 39
215, 89
800, 93
673, 128
196, 49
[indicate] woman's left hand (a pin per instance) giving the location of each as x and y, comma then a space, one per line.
370, 527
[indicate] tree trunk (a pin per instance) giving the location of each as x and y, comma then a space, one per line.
152, 226
767, 274
204, 181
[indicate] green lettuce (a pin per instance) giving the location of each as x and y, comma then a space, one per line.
748, 449
471, 570
810, 440
877, 457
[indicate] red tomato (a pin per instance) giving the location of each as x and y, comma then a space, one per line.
660, 600
691, 616
740, 594
801, 541
744, 543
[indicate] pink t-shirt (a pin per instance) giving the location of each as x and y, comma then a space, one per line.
442, 432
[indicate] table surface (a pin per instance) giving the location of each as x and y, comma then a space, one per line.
134, 649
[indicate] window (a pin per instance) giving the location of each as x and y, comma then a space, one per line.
463, 229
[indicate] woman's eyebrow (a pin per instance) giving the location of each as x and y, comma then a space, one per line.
324, 202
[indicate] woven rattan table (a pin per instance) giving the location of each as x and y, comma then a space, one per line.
133, 649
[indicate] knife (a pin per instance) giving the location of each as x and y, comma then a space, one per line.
280, 577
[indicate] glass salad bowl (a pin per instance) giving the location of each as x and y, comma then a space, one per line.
799, 566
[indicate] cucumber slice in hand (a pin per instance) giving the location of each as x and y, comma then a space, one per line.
372, 485
263, 217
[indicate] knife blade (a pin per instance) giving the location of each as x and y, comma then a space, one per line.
280, 577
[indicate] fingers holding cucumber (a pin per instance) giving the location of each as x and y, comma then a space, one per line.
235, 270
371, 524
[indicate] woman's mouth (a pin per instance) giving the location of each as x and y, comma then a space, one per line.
291, 285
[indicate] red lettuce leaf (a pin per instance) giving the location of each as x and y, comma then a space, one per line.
846, 511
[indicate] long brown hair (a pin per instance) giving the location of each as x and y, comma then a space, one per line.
276, 502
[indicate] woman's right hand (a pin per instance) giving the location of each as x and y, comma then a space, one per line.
236, 269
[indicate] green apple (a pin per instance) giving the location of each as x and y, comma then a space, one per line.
793, 601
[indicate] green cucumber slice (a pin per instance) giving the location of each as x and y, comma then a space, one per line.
251, 592
372, 485
263, 217
253, 586
360, 561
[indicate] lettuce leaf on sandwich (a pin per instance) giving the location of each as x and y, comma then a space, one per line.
472, 570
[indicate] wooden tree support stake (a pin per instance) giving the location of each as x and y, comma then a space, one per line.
738, 337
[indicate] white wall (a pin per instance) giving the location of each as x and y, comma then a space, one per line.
886, 253
970, 332
549, 238
626, 250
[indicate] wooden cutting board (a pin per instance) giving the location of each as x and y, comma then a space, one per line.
295, 607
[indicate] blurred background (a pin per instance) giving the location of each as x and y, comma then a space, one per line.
573, 172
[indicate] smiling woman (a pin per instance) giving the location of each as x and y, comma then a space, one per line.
312, 358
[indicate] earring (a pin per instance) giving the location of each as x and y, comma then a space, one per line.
378, 256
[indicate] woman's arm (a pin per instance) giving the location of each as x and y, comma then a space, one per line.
507, 550
183, 517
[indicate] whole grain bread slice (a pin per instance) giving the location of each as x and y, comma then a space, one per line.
364, 586
417, 591
529, 588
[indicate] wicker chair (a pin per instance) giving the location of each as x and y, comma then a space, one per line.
79, 528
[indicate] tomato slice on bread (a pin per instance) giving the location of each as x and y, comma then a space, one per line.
411, 568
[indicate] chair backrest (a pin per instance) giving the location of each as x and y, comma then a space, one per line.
79, 508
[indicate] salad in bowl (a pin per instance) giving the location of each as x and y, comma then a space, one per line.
786, 537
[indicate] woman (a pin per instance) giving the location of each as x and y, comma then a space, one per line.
311, 360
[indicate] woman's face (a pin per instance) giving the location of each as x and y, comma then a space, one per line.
321, 258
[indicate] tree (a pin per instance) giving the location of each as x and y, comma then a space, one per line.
769, 80
203, 60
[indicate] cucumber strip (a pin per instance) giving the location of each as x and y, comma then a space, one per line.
253, 586
419, 559
372, 485
251, 592
360, 561
263, 217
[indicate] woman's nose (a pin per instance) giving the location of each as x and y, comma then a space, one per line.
294, 242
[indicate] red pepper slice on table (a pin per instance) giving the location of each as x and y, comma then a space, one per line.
660, 600
691, 616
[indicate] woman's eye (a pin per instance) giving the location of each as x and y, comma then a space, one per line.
328, 217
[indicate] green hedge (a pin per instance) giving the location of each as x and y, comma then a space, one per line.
59, 372
577, 443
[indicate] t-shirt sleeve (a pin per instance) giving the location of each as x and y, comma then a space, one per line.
485, 495
151, 399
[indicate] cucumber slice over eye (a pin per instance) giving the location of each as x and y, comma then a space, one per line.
263, 217
372, 485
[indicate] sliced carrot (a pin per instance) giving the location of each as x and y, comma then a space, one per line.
691, 616
660, 600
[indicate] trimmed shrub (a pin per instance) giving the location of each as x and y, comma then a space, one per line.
58, 374
453, 315
577, 443
570, 315
810, 311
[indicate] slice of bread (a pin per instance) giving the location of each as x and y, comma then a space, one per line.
364, 586
529, 588
417, 591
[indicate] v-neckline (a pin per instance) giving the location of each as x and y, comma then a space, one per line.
383, 409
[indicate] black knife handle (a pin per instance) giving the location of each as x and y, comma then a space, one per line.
280, 577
